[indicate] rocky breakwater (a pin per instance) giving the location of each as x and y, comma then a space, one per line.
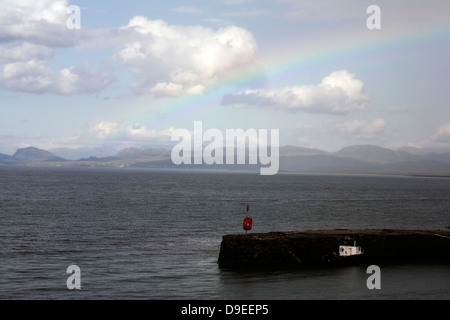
303, 248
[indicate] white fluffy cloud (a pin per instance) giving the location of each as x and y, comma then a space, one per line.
339, 93
29, 33
114, 131
41, 22
35, 77
25, 51
168, 60
114, 134
171, 60
102, 129
443, 133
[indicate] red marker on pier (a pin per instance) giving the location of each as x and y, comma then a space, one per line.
247, 222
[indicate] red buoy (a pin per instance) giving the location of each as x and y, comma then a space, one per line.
248, 223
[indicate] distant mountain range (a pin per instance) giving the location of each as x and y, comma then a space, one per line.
352, 159
364, 159
80, 153
29, 155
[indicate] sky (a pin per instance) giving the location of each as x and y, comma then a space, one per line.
128, 73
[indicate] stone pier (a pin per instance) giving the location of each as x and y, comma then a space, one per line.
306, 248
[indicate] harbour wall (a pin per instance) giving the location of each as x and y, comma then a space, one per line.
306, 248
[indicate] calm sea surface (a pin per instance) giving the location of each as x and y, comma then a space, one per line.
155, 234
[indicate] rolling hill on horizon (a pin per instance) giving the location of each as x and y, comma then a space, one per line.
351, 159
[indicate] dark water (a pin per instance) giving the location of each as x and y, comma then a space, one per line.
155, 234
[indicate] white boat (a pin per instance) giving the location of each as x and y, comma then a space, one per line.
347, 251
347, 254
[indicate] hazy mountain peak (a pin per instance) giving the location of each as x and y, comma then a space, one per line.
31, 154
294, 151
374, 154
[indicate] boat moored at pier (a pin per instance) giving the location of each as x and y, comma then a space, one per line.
346, 255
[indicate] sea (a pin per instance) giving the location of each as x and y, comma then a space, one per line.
155, 234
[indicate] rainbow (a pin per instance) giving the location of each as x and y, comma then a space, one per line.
286, 64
